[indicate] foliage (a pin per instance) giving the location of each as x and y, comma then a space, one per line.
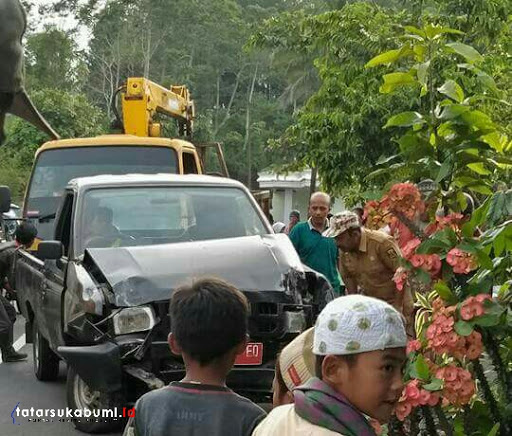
70, 114
338, 130
451, 140
458, 260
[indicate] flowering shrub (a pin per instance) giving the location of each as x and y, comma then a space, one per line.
457, 260
450, 262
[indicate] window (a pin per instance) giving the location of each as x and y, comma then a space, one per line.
189, 163
158, 215
55, 168
63, 226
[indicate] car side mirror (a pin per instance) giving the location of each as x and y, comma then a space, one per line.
5, 199
50, 250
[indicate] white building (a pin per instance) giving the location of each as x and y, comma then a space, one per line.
290, 191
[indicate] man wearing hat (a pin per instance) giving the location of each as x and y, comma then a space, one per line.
368, 260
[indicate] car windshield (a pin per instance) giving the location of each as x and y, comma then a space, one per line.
55, 168
160, 215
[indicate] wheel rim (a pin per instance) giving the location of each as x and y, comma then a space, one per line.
85, 397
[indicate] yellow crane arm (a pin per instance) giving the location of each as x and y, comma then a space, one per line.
142, 99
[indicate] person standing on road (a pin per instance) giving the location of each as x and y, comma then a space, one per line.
368, 262
24, 237
316, 251
294, 219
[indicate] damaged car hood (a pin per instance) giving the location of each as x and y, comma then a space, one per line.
141, 274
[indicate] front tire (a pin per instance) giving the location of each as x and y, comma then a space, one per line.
46, 362
81, 396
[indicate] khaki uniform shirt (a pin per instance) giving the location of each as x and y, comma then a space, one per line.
370, 270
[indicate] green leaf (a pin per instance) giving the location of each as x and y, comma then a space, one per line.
487, 320
465, 50
444, 291
422, 72
386, 159
432, 30
478, 217
420, 368
494, 430
435, 385
444, 171
405, 119
478, 120
486, 81
499, 244
463, 328
452, 111
458, 426
432, 245
393, 81
385, 58
415, 31
453, 90
479, 168
484, 259
480, 189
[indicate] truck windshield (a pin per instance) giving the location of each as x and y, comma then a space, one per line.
162, 215
53, 169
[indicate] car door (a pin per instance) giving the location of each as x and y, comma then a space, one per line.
55, 275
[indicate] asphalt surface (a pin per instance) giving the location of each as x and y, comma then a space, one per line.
18, 384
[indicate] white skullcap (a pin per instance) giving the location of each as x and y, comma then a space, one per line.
357, 324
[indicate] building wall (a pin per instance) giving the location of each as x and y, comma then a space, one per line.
300, 201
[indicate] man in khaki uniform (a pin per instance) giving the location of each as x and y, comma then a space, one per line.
368, 261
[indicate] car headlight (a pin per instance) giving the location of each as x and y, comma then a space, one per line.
294, 322
134, 319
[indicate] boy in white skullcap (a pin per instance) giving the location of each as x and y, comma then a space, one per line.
359, 343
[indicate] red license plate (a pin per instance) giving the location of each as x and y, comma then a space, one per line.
253, 355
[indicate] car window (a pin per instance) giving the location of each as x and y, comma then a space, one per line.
158, 215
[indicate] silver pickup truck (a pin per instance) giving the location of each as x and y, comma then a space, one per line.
97, 296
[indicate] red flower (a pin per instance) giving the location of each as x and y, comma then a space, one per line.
461, 261
403, 410
400, 278
405, 199
473, 306
410, 248
413, 345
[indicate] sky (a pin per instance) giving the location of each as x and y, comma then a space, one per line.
62, 23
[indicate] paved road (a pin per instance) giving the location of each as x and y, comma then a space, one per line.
19, 385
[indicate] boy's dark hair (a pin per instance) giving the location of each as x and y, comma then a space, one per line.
208, 318
351, 360
25, 233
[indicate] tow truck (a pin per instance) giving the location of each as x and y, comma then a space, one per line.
141, 148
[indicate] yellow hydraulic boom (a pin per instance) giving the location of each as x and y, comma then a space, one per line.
142, 100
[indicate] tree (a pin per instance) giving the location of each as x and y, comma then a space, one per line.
338, 129
52, 61
70, 114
